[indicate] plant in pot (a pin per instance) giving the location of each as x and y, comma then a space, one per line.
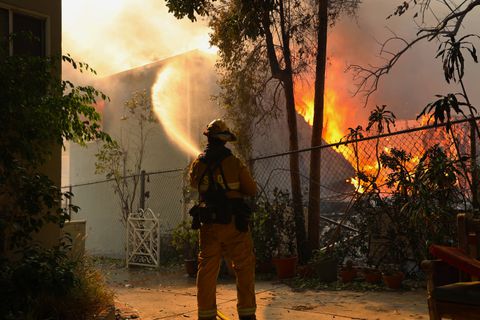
348, 272
324, 264
372, 274
185, 241
262, 230
392, 276
284, 254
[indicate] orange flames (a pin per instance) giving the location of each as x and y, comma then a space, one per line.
333, 123
340, 114
336, 116
337, 113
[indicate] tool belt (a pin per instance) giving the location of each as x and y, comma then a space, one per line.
204, 213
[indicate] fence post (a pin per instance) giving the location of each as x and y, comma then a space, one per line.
473, 163
142, 190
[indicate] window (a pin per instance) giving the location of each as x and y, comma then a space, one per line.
29, 34
4, 30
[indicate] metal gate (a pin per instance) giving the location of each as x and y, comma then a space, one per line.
143, 239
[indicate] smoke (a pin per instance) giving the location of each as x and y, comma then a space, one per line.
117, 35
414, 80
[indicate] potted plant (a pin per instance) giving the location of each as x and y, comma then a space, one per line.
392, 276
284, 255
348, 272
324, 263
372, 275
262, 230
185, 241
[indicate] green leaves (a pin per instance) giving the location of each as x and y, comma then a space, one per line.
441, 109
38, 112
189, 8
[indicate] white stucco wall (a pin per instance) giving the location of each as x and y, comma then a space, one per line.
99, 204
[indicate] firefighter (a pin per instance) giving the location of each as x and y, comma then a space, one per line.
222, 181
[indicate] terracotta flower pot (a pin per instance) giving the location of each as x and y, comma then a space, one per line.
348, 274
286, 267
393, 280
372, 276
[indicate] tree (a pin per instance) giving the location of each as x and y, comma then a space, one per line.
38, 112
442, 22
122, 160
286, 37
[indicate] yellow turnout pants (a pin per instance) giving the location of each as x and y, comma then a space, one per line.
217, 240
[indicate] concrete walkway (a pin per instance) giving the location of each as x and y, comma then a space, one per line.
150, 294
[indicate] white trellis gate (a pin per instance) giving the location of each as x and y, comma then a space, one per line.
143, 239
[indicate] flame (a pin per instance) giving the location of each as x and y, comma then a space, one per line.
357, 184
333, 127
339, 114
166, 110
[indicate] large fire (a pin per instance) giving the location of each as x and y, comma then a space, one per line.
339, 115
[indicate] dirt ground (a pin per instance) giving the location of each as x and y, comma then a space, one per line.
170, 294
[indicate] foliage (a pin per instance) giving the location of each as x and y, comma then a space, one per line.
420, 209
381, 118
274, 228
262, 231
444, 23
47, 284
185, 239
121, 160
38, 112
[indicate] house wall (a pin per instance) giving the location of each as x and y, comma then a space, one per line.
99, 204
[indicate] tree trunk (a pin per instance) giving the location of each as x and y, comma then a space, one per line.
286, 77
295, 171
317, 128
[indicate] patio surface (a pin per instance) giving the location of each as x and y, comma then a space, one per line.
151, 294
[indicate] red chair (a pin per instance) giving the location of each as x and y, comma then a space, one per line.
453, 289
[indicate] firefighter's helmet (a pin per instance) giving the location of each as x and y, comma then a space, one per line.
218, 129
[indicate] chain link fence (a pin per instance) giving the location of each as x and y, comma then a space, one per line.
101, 207
340, 162
166, 192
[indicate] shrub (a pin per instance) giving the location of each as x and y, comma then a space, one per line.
47, 284
274, 227
420, 208
185, 239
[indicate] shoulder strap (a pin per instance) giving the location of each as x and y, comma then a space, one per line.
210, 169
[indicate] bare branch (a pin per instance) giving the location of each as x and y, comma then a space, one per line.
369, 77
